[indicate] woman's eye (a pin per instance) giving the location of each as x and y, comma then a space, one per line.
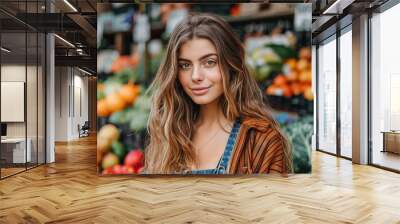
184, 66
210, 63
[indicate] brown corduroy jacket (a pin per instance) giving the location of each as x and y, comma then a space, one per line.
259, 148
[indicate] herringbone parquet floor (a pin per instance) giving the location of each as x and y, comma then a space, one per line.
70, 191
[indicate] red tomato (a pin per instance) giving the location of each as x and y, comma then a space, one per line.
128, 170
139, 169
109, 170
134, 158
118, 169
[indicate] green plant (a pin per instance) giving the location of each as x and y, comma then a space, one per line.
299, 133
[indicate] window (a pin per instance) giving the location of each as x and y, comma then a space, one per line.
346, 93
385, 88
327, 96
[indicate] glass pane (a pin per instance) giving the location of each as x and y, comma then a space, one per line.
32, 96
327, 97
41, 99
346, 94
13, 86
31, 86
385, 91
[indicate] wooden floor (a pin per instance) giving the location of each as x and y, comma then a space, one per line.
70, 191
387, 159
10, 171
5, 172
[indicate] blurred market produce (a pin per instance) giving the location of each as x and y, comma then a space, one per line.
131, 41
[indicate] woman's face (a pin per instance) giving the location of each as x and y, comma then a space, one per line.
199, 72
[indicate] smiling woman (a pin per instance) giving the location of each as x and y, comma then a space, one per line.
199, 73
208, 115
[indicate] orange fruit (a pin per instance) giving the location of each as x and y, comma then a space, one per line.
305, 53
115, 102
120, 63
303, 64
292, 63
292, 76
287, 92
305, 76
280, 80
305, 86
102, 108
100, 87
270, 90
129, 92
308, 94
296, 88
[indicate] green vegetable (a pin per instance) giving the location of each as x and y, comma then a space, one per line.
112, 85
262, 73
126, 75
118, 117
118, 150
139, 120
299, 134
284, 52
143, 103
100, 95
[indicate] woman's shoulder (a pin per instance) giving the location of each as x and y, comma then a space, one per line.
263, 132
263, 143
258, 124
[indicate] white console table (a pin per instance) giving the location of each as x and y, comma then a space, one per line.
19, 149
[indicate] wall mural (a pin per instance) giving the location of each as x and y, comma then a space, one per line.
204, 89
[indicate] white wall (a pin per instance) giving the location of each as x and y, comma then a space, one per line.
70, 83
12, 73
61, 103
33, 127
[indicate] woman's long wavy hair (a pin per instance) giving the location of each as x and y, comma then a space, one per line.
173, 113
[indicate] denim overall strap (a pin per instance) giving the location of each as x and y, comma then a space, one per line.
224, 161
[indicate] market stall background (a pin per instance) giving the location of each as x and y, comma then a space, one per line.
131, 39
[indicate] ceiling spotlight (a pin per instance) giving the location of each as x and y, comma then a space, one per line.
337, 7
5, 49
64, 40
84, 71
70, 5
